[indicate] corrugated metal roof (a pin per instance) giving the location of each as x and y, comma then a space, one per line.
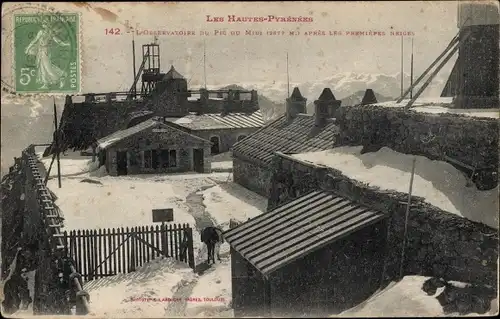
296, 136
289, 232
209, 121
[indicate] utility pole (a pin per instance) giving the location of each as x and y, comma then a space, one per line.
204, 64
402, 68
56, 142
406, 217
411, 70
134, 90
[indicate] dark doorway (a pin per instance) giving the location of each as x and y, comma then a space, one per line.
121, 163
155, 158
198, 160
215, 145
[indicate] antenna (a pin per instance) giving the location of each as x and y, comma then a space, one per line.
411, 70
133, 57
204, 64
402, 68
287, 76
58, 146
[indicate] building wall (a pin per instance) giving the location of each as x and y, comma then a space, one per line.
252, 176
464, 138
170, 139
333, 278
438, 243
248, 288
227, 137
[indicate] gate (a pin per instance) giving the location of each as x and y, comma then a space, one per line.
106, 252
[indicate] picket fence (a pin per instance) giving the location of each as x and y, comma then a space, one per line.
106, 252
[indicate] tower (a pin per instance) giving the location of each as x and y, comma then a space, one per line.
151, 68
295, 104
478, 58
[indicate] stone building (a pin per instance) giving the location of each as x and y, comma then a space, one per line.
153, 146
293, 132
318, 254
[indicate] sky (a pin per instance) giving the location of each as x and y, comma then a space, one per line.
107, 61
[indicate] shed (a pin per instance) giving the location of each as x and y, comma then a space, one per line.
153, 146
318, 254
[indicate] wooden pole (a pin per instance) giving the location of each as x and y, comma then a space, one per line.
204, 64
411, 71
402, 66
134, 90
57, 145
406, 217
287, 76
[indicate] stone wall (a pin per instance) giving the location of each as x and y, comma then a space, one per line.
227, 137
438, 243
252, 176
466, 139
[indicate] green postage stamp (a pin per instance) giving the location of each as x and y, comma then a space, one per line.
47, 53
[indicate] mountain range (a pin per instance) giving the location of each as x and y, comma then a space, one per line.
27, 120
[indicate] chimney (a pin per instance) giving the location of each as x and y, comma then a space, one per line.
295, 104
478, 57
254, 97
369, 97
325, 107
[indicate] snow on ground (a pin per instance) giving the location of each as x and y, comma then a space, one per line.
231, 201
406, 299
144, 293
441, 105
72, 164
441, 184
222, 166
215, 286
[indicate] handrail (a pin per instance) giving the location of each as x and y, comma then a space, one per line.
53, 218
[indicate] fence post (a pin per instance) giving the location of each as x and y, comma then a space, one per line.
190, 255
132, 249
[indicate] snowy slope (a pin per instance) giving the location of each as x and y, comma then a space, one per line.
441, 184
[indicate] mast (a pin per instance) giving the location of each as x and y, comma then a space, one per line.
287, 76
411, 70
134, 93
402, 69
204, 64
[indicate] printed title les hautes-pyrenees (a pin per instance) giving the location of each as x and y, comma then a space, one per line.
269, 18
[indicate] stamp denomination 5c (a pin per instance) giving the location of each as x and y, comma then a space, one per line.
46, 53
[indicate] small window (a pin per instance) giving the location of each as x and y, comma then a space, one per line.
172, 155
241, 137
148, 159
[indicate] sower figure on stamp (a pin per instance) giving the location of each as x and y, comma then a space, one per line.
47, 72
212, 237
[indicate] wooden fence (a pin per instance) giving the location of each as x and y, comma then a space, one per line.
106, 252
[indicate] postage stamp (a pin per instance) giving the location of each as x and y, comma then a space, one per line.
46, 52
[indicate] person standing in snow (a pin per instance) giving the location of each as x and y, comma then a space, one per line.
12, 300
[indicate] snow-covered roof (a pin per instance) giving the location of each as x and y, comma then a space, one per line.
442, 105
119, 135
440, 183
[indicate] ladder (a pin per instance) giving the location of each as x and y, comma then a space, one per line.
137, 76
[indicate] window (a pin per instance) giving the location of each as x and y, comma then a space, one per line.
148, 159
172, 154
215, 144
133, 158
241, 137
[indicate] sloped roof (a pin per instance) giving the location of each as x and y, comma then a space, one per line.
172, 74
117, 136
296, 95
296, 136
306, 224
210, 121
